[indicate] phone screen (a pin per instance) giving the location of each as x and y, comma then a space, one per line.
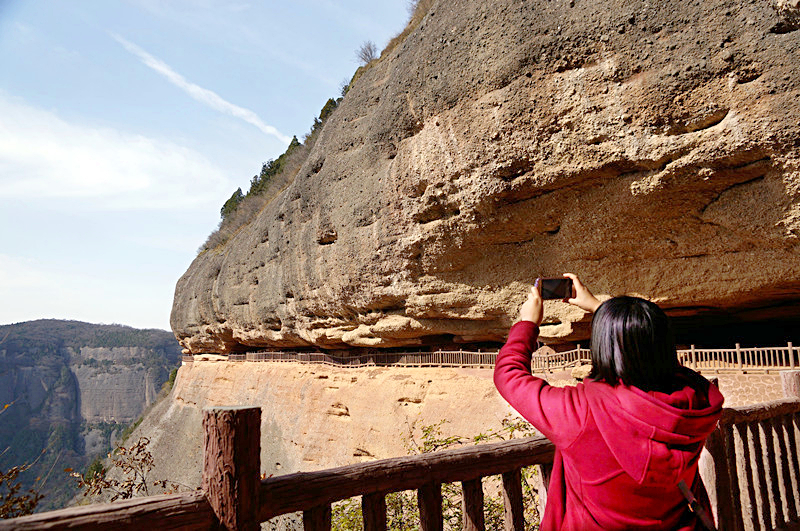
556, 288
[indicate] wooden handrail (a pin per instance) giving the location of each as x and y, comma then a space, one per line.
166, 511
304, 490
761, 411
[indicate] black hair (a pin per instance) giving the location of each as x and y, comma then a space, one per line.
632, 343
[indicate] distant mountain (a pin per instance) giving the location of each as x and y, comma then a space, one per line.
71, 388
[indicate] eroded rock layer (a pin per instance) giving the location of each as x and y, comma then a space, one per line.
651, 148
316, 417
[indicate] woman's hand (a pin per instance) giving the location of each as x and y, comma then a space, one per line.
581, 296
532, 309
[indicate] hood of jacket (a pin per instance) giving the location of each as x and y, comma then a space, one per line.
654, 436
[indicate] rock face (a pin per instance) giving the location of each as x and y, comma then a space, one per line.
113, 392
650, 148
315, 417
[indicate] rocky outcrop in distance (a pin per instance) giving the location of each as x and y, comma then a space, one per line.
651, 148
71, 388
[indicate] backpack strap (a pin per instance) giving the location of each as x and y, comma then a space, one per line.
695, 506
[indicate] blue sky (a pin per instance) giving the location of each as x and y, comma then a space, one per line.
125, 125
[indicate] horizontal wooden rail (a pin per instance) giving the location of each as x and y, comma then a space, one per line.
761, 411
305, 490
167, 511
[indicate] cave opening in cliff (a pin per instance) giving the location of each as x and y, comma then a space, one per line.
724, 331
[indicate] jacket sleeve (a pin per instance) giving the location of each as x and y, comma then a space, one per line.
559, 413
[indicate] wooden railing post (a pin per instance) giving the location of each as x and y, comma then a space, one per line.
317, 519
792, 445
713, 468
429, 499
791, 355
512, 499
790, 381
542, 483
738, 356
472, 503
373, 509
694, 359
231, 465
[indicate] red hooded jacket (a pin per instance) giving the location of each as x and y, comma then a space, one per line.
620, 451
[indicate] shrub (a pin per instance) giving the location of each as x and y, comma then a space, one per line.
14, 503
275, 176
231, 204
170, 383
417, 9
327, 109
134, 463
367, 52
129, 429
172, 375
272, 168
94, 469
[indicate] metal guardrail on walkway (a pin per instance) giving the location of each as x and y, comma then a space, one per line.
737, 359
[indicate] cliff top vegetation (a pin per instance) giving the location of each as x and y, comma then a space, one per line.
48, 335
277, 174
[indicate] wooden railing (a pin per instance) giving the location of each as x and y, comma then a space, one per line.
741, 359
314, 492
751, 471
439, 358
761, 359
235, 497
547, 360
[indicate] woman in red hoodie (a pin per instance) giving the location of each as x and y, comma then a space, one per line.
628, 435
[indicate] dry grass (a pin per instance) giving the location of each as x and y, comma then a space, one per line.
418, 9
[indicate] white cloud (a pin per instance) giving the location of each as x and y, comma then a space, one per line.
214, 20
44, 156
203, 95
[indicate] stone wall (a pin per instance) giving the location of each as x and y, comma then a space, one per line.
746, 389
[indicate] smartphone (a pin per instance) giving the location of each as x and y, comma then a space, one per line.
556, 288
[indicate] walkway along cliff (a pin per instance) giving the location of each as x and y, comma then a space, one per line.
652, 148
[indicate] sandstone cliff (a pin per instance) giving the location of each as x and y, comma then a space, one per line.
315, 417
651, 148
